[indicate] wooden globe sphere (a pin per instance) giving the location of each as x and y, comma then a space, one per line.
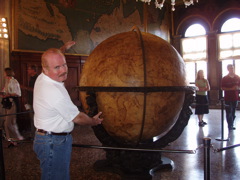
135, 59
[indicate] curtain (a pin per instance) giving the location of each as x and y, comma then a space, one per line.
229, 46
194, 48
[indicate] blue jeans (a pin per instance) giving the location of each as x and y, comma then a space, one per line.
230, 107
54, 153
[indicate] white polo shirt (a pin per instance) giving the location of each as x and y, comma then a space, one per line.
53, 108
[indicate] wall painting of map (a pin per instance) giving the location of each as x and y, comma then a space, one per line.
42, 24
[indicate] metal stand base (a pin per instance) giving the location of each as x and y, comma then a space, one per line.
106, 165
166, 164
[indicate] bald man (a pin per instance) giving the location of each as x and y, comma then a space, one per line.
54, 118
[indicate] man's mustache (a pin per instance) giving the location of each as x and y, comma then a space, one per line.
63, 74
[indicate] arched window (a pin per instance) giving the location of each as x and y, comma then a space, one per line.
232, 24
229, 45
195, 30
194, 51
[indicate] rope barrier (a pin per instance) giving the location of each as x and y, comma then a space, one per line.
135, 149
226, 148
206, 145
24, 112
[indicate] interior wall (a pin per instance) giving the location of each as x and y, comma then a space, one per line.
4, 43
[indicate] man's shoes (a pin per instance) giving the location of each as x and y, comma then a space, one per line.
201, 124
231, 128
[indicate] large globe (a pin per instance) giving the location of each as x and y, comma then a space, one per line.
135, 59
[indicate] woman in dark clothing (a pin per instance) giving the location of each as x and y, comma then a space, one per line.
203, 86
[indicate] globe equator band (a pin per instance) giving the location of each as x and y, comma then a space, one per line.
135, 89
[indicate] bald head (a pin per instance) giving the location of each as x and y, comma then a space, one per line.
54, 64
48, 54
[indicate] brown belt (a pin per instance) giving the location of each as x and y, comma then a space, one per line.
42, 132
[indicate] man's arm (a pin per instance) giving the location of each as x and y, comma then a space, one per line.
84, 119
67, 46
230, 89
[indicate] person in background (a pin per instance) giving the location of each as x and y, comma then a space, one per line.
11, 93
202, 108
32, 74
230, 86
54, 117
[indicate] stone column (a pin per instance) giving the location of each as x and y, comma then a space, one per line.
213, 73
176, 43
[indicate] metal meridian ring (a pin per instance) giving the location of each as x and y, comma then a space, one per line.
135, 89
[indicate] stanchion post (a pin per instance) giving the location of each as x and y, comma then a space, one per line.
207, 146
222, 122
222, 117
2, 169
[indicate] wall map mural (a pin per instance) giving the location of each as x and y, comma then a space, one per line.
41, 24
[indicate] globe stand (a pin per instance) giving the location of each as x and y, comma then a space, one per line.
166, 164
137, 165
136, 171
